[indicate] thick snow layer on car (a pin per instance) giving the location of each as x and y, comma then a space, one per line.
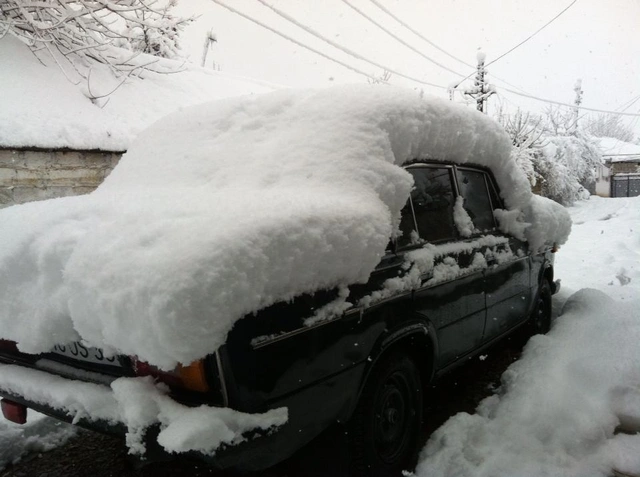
139, 403
222, 209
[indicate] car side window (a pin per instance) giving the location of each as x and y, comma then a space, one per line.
496, 201
408, 232
473, 189
432, 199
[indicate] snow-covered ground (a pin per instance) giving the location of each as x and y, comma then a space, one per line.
566, 408
40, 434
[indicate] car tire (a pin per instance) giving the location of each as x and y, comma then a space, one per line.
540, 320
384, 431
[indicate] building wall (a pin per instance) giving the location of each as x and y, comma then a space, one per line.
27, 175
603, 182
624, 167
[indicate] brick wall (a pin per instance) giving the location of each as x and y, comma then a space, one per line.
27, 175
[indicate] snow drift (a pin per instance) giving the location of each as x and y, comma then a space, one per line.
222, 209
561, 405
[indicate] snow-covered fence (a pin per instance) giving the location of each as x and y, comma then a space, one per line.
35, 174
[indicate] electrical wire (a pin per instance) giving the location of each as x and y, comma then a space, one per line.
633, 101
418, 34
344, 48
273, 30
534, 33
397, 38
550, 101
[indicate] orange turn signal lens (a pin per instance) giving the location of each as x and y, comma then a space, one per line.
193, 376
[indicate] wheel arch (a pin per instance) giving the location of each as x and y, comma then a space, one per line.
417, 339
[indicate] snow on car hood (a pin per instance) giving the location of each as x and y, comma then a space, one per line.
222, 209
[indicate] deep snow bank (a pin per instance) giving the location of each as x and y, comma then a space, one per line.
244, 202
559, 405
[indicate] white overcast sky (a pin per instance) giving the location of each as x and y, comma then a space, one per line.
595, 40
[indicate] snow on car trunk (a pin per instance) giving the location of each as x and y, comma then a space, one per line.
222, 209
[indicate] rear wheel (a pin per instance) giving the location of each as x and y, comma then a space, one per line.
385, 428
540, 321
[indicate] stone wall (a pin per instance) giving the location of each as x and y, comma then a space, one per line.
625, 167
35, 174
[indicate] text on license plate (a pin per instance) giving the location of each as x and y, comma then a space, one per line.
80, 352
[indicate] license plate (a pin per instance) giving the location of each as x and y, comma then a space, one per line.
80, 352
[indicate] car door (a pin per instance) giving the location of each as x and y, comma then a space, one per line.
450, 293
507, 276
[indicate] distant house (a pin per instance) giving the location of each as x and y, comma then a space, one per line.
55, 141
619, 176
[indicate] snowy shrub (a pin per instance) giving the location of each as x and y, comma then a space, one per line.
553, 152
566, 164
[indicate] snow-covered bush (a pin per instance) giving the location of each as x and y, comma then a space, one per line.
566, 165
556, 155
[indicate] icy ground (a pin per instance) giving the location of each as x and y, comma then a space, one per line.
571, 405
561, 402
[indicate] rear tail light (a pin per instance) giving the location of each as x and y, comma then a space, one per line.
192, 377
555, 248
14, 411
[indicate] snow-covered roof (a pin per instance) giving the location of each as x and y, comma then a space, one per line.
41, 108
615, 150
222, 209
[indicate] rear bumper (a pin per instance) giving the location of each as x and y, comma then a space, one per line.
154, 423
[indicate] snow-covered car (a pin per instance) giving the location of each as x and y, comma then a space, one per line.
259, 269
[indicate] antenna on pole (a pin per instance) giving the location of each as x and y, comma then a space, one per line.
208, 44
577, 101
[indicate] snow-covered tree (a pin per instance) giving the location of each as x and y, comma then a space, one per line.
526, 136
609, 125
567, 165
558, 158
156, 31
85, 29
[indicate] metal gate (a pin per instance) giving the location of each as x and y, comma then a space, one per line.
625, 185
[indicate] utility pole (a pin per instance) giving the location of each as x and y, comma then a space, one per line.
481, 90
479, 82
577, 101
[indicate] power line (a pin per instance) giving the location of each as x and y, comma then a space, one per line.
631, 103
530, 96
534, 33
343, 48
395, 37
273, 30
417, 33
